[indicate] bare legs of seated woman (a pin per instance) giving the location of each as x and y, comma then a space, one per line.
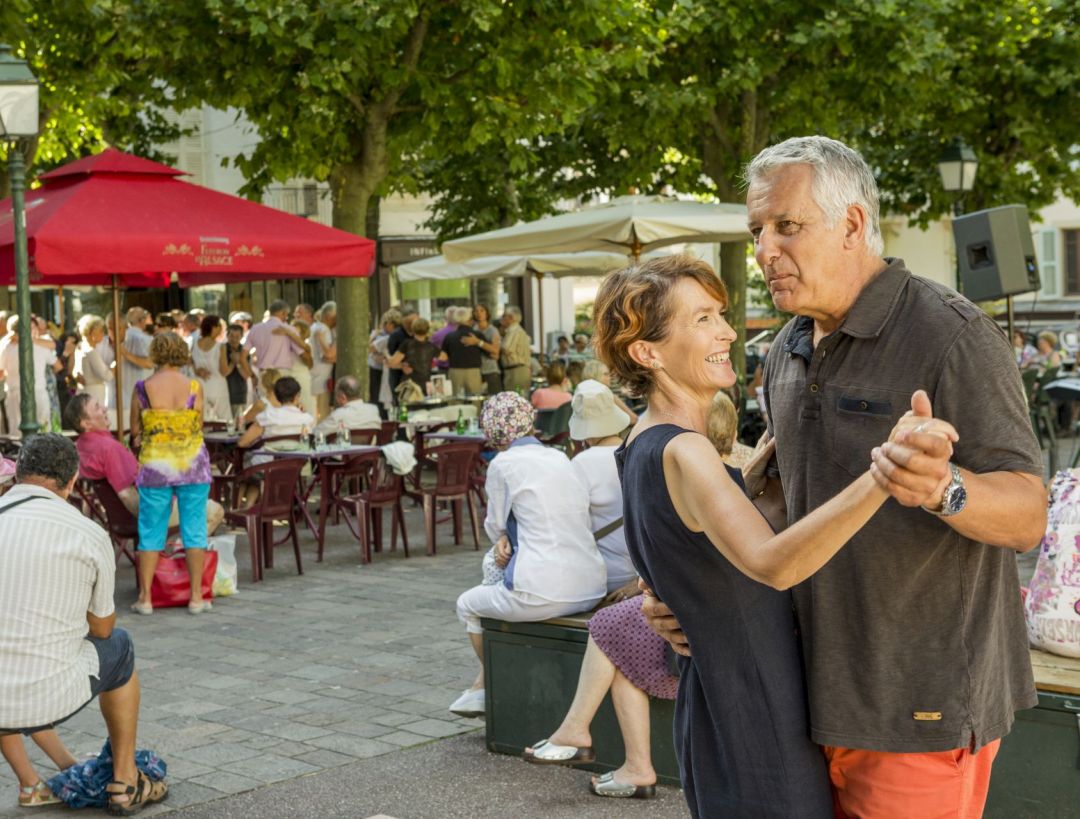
598, 676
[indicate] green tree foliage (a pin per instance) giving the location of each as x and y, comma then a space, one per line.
95, 86
358, 93
716, 82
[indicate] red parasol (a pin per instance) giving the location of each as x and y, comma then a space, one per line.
115, 214
120, 220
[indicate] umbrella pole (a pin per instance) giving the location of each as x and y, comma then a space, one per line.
540, 307
119, 377
60, 309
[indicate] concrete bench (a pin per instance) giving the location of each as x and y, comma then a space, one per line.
531, 673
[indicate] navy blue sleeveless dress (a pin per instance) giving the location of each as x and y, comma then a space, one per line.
742, 732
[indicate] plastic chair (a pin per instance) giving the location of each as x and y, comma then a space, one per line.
388, 433
278, 500
120, 523
423, 454
454, 466
553, 426
383, 491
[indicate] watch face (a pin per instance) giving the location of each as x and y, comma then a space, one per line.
957, 498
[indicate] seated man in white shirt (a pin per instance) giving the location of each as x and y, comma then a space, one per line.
350, 409
286, 419
59, 648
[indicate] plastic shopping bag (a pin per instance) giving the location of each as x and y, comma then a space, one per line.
225, 578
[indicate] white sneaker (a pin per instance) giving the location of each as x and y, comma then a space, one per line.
469, 704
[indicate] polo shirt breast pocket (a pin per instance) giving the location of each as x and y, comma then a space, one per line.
858, 419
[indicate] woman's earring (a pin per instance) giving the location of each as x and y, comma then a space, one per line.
655, 364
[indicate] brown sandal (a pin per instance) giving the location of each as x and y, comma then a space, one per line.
144, 792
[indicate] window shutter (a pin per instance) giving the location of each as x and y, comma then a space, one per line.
1048, 265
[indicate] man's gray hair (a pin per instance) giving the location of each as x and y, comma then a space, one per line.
48, 455
348, 387
841, 179
407, 309
328, 309
136, 316
276, 306
462, 314
513, 311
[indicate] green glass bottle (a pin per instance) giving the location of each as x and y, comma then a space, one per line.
403, 414
459, 428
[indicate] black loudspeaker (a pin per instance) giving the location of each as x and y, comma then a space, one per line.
995, 253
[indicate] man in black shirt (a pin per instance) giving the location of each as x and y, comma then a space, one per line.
463, 351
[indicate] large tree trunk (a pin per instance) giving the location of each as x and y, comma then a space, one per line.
733, 274
723, 151
351, 194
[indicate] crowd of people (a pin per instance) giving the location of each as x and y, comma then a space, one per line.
909, 481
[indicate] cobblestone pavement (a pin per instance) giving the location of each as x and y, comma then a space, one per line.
298, 674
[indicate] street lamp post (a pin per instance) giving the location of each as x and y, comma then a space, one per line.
18, 123
958, 166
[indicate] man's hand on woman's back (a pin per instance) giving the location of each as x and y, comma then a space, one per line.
662, 621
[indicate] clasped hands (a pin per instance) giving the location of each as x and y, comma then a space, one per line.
913, 465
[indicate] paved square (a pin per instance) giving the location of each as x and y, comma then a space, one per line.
297, 674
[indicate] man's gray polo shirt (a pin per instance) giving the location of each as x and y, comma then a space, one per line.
913, 636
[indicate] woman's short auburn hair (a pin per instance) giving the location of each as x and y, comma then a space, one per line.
169, 350
635, 305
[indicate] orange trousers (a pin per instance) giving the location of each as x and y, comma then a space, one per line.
941, 785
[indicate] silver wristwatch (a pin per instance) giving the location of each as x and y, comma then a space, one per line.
954, 498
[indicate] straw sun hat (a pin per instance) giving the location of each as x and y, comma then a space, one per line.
595, 414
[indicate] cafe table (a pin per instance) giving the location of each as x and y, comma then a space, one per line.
322, 458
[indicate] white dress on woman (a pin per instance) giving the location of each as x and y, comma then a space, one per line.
95, 372
216, 405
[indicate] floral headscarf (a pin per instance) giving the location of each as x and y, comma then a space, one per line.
505, 417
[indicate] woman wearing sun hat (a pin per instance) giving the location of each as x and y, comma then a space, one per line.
538, 518
599, 423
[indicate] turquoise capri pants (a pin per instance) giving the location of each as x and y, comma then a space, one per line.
155, 506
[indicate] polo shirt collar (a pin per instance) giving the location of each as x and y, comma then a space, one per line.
26, 489
875, 304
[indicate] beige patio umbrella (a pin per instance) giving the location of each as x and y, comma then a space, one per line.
557, 265
627, 225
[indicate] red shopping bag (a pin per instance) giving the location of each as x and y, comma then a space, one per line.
171, 585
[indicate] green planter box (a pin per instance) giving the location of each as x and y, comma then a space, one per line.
1037, 772
531, 673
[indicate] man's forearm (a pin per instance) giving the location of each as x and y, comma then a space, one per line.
1005, 509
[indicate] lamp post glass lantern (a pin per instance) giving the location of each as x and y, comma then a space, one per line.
958, 166
18, 123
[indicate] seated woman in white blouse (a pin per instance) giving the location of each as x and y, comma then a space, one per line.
538, 517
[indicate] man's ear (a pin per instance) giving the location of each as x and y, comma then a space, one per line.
855, 224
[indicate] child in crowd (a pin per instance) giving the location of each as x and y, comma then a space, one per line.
287, 418
33, 792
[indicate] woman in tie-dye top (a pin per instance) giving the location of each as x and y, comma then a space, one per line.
166, 422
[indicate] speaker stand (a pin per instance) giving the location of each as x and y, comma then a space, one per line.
1009, 314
